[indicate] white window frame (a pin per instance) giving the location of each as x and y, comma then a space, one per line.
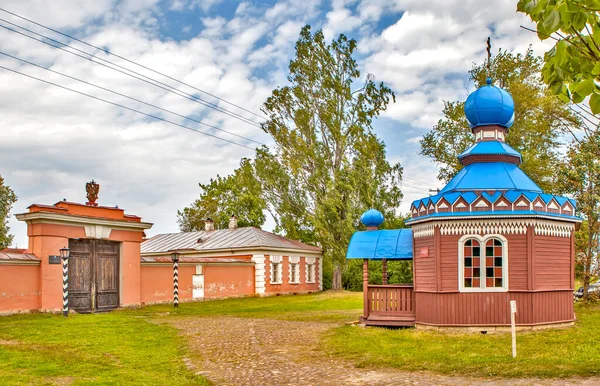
276, 269
294, 268
310, 270
461, 264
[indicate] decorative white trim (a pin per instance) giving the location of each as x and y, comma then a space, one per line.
320, 273
482, 204
310, 271
502, 203
415, 212
522, 202
508, 226
97, 231
461, 263
443, 205
279, 274
259, 274
309, 260
489, 134
294, 269
431, 206
553, 205
424, 230
550, 228
58, 218
460, 205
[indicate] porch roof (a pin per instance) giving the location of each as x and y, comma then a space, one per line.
390, 244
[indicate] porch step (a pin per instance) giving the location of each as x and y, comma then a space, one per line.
390, 320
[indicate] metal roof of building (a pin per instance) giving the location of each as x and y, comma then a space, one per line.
11, 254
490, 148
220, 239
491, 176
389, 244
198, 260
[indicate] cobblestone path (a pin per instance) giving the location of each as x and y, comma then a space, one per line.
242, 351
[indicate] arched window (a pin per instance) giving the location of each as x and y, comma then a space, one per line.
482, 263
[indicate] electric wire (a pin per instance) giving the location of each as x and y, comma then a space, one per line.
126, 108
128, 97
141, 77
130, 61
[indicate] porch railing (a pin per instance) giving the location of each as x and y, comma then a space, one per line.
391, 300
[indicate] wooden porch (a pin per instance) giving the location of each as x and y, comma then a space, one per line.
390, 305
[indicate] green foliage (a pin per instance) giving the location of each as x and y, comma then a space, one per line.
540, 120
326, 167
572, 66
399, 272
325, 146
238, 194
580, 178
7, 199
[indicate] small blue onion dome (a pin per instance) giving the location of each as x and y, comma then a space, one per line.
372, 218
490, 105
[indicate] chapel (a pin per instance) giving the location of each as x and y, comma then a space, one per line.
491, 235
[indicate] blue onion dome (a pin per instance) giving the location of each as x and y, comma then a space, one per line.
372, 218
490, 105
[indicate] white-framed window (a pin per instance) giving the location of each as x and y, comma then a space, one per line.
276, 269
310, 269
483, 263
294, 269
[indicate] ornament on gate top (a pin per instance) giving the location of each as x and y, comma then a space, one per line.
92, 189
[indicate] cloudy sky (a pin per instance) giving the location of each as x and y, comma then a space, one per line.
54, 140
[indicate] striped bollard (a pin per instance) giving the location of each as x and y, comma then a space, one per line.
65, 267
175, 258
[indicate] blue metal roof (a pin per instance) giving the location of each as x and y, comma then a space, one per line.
491, 176
490, 105
490, 148
393, 244
508, 214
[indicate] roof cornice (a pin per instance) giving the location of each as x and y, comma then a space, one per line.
472, 215
59, 218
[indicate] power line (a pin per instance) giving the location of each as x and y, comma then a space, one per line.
125, 107
130, 61
128, 97
151, 81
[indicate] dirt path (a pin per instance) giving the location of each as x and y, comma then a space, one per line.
241, 351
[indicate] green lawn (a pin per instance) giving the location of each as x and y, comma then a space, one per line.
135, 347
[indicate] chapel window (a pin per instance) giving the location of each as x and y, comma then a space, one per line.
483, 264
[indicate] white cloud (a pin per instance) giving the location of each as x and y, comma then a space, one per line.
54, 141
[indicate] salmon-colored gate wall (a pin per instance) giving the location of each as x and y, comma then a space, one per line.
49, 229
219, 281
19, 287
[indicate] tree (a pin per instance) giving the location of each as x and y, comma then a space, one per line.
541, 119
238, 194
325, 145
326, 166
580, 177
572, 66
7, 199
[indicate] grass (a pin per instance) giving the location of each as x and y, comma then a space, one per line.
135, 347
550, 353
111, 348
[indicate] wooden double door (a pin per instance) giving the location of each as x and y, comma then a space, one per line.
93, 275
